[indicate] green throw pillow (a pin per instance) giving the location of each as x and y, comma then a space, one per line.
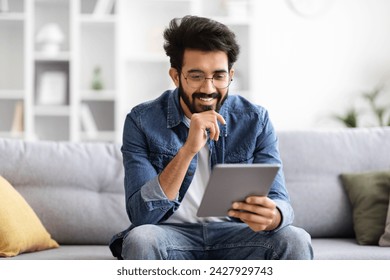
369, 195
385, 238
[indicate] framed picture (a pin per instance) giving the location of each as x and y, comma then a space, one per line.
52, 88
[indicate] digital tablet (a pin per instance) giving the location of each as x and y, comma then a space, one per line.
234, 182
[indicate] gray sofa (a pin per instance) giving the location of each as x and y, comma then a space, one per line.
76, 189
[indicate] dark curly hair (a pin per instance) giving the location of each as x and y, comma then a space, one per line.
199, 33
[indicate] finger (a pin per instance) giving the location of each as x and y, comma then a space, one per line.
253, 208
213, 127
255, 219
248, 217
261, 200
242, 206
216, 129
221, 119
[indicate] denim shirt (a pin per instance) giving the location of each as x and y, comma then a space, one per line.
155, 131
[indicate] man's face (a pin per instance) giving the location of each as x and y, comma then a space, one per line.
204, 96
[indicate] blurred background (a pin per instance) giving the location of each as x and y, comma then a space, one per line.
70, 70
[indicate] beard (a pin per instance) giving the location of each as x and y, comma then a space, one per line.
192, 106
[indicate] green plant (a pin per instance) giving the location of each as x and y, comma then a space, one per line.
97, 83
379, 111
350, 118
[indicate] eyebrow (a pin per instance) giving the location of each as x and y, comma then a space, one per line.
200, 71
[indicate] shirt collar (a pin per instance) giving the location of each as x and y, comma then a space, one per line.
175, 113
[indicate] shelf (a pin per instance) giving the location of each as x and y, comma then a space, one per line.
52, 110
10, 134
12, 16
11, 94
102, 95
62, 56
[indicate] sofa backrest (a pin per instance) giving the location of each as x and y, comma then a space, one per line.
313, 162
76, 189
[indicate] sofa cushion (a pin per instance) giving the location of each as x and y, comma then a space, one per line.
20, 228
369, 196
385, 238
75, 188
70, 252
347, 249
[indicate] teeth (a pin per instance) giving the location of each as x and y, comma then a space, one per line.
206, 99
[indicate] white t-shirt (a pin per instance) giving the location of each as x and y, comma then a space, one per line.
191, 201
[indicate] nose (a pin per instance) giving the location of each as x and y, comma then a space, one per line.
208, 86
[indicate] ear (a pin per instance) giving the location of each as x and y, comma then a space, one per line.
174, 76
231, 73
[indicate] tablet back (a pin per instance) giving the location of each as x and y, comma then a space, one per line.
234, 182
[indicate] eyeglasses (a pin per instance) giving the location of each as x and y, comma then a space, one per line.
220, 80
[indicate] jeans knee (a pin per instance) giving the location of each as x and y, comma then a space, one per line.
297, 244
141, 242
299, 237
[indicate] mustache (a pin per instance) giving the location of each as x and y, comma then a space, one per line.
205, 95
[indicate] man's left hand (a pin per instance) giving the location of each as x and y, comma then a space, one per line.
258, 212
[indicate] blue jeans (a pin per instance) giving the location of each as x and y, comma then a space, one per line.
216, 241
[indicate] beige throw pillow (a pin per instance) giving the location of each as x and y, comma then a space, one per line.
20, 228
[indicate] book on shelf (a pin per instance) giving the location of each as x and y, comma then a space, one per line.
103, 7
88, 122
17, 122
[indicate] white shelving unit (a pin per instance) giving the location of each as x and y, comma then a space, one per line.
90, 41
125, 43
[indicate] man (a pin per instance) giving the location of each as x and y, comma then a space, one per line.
170, 146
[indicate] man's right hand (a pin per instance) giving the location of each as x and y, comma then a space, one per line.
173, 174
201, 124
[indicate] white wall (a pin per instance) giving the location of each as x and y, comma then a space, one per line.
308, 69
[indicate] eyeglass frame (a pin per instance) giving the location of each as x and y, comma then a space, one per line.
204, 79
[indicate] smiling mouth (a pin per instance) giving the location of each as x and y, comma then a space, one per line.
206, 99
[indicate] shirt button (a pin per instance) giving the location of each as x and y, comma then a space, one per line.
190, 173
